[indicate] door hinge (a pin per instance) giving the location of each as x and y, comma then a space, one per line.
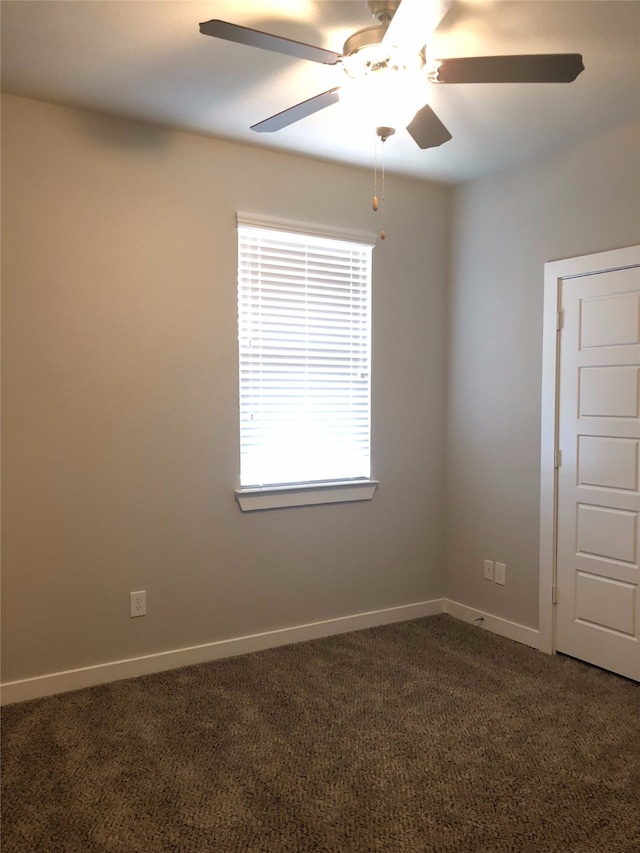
554, 594
559, 320
557, 458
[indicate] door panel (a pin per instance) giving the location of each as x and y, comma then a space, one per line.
610, 321
609, 391
598, 501
608, 533
605, 603
608, 462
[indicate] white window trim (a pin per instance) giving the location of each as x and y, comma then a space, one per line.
280, 497
256, 498
254, 221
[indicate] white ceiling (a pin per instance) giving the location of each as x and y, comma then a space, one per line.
146, 59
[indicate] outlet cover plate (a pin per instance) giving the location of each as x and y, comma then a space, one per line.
488, 570
138, 603
501, 573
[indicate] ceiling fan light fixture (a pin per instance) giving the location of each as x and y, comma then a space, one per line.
370, 55
387, 73
385, 98
385, 84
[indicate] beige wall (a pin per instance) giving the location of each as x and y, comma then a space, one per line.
582, 200
120, 410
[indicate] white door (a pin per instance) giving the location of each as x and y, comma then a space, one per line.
598, 498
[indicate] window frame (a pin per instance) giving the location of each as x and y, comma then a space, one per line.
252, 498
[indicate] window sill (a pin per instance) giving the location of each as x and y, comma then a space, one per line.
280, 497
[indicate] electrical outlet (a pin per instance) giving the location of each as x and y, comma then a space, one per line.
488, 570
138, 603
501, 574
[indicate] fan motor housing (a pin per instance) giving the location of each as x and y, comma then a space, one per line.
383, 11
364, 38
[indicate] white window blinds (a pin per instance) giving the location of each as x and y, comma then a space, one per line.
304, 317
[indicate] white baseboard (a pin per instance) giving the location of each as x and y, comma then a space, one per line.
495, 624
75, 679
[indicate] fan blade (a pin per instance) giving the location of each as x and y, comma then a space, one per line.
427, 130
266, 41
534, 68
302, 110
414, 21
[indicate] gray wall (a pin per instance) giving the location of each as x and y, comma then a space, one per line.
120, 411
505, 227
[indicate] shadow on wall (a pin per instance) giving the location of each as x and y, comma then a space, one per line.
121, 132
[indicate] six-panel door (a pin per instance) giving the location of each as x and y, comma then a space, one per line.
598, 532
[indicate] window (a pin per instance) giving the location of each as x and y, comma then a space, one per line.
304, 322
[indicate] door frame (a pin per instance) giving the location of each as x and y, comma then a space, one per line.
555, 273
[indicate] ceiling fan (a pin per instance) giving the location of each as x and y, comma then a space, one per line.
389, 64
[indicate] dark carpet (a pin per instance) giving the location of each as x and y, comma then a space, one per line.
429, 735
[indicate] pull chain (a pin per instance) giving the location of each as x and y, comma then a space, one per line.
375, 177
375, 203
382, 233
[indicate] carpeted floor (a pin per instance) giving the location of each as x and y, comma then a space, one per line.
429, 735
